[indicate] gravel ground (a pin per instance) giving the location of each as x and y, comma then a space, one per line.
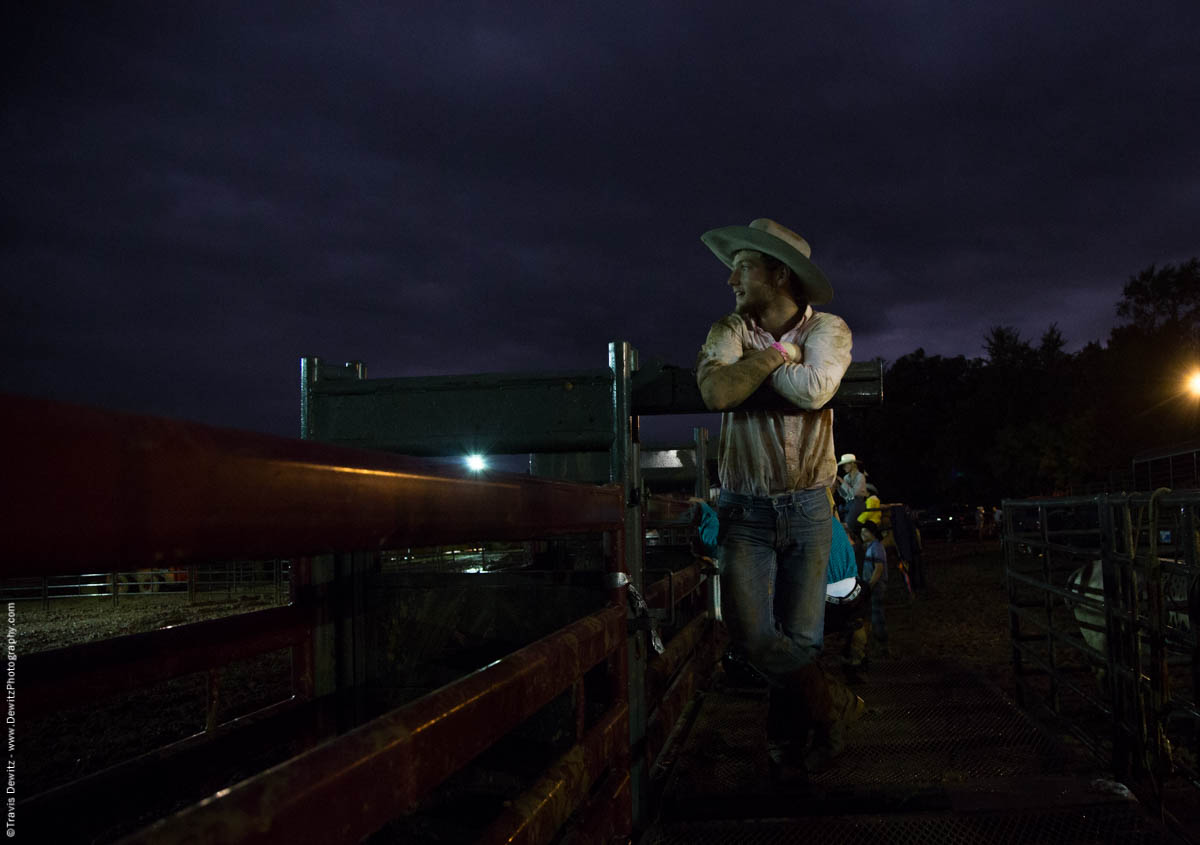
73, 621
92, 735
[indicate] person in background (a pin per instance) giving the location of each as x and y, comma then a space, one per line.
852, 487
871, 511
874, 572
907, 539
846, 602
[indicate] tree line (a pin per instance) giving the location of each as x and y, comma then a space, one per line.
1030, 419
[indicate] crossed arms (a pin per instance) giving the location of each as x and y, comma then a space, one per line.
727, 372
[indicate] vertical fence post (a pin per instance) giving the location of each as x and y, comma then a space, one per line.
618, 664
1191, 539
625, 469
1009, 544
1158, 688
350, 633
322, 573
700, 437
1048, 599
1109, 543
309, 367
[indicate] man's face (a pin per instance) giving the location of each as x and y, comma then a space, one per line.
753, 289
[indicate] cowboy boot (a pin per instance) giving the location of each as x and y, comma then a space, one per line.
793, 705
829, 731
787, 734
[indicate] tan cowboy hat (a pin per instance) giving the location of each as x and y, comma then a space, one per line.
769, 237
848, 458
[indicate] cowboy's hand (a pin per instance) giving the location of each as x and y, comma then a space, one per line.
795, 355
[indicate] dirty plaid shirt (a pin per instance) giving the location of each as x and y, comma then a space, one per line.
762, 453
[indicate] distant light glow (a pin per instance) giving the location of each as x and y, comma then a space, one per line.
1193, 383
476, 463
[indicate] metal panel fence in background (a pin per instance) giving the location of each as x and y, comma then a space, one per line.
1104, 606
268, 579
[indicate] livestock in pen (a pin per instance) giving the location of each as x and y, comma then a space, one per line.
1170, 591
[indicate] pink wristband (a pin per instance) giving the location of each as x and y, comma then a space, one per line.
779, 347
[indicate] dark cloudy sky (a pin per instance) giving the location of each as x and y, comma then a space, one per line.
195, 195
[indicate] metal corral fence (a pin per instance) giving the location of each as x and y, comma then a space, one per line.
319, 761
204, 582
339, 750
1104, 606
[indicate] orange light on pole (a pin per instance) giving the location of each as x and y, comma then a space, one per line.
1193, 383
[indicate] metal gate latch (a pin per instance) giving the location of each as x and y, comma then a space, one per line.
643, 619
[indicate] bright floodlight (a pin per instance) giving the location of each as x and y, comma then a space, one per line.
1193, 383
476, 463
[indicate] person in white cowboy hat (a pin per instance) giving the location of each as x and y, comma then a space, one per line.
852, 487
776, 469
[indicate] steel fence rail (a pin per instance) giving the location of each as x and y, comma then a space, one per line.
541, 811
668, 591
91, 487
388, 765
136, 491
667, 511
60, 678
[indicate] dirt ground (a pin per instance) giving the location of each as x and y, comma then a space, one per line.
960, 615
72, 621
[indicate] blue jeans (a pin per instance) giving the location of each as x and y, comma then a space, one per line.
773, 553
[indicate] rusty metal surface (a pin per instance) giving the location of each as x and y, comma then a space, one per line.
663, 667
608, 817
535, 816
666, 510
692, 676
348, 787
137, 490
51, 680
678, 584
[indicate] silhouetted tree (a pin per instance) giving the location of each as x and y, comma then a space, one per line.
1050, 350
1036, 420
1164, 300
